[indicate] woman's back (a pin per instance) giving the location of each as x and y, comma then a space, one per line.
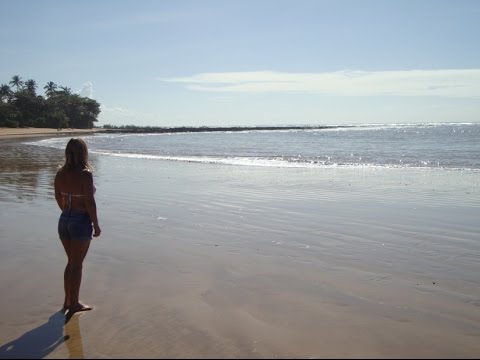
74, 188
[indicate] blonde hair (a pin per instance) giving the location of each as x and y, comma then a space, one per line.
76, 155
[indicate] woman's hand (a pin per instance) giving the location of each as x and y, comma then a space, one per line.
96, 230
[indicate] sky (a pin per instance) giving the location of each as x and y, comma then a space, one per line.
252, 62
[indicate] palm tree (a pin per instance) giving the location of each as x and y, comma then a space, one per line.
50, 88
66, 90
62, 107
31, 86
16, 81
5, 92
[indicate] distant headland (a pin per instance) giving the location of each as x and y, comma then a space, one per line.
191, 129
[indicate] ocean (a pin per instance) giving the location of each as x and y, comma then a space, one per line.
441, 146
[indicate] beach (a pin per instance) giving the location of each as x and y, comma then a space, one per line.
200, 260
15, 133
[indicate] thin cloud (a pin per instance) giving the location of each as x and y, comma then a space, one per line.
143, 18
86, 90
448, 83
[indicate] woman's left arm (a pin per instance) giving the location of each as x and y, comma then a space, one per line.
58, 194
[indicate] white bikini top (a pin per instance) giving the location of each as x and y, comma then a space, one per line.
70, 196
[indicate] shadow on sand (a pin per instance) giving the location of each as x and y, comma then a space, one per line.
41, 341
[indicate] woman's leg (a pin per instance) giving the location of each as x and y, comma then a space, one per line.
77, 251
66, 276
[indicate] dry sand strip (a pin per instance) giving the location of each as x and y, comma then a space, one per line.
11, 133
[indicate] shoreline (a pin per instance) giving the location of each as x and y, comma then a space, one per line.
13, 133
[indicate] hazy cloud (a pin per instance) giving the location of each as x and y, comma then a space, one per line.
86, 90
449, 83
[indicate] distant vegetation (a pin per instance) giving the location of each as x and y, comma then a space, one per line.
20, 106
178, 129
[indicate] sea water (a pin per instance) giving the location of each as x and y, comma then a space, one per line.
454, 146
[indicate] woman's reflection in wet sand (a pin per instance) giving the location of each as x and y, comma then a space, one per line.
73, 336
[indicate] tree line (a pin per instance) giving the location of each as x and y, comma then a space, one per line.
21, 106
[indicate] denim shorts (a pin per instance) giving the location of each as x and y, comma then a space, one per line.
75, 225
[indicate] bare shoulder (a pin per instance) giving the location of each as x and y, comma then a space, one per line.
60, 179
60, 173
87, 174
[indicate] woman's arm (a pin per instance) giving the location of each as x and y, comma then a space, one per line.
90, 203
58, 194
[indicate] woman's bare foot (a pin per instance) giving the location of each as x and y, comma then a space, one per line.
79, 307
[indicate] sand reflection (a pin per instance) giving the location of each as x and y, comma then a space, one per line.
27, 171
73, 337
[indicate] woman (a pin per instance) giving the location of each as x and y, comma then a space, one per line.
74, 192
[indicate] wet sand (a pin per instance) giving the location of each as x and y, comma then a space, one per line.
214, 261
